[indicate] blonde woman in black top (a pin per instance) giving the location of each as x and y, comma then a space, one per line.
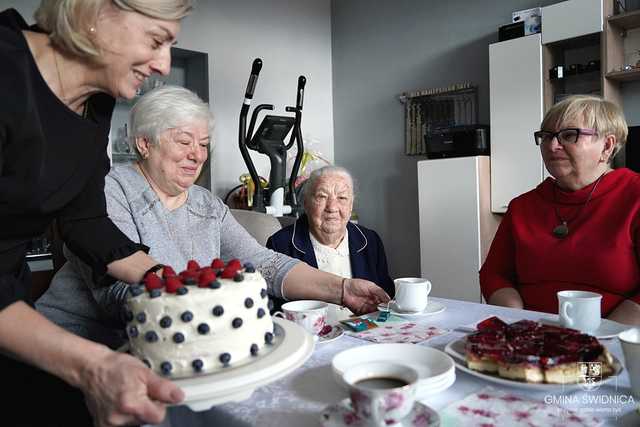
58, 82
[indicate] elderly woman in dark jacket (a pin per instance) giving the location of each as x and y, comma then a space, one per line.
325, 238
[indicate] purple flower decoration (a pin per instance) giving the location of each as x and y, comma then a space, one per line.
511, 398
484, 413
393, 401
422, 419
350, 418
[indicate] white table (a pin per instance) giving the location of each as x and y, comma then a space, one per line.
298, 399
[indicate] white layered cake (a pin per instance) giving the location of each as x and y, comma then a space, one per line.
200, 321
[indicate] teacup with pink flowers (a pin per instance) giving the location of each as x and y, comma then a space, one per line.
310, 314
382, 393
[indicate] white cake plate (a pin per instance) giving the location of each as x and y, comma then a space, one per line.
291, 347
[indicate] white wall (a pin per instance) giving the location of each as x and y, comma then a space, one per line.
292, 37
382, 48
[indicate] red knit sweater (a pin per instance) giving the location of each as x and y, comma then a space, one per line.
600, 253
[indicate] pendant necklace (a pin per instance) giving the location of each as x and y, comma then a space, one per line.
64, 97
55, 60
562, 230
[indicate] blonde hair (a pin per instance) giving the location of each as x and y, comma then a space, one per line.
594, 112
68, 22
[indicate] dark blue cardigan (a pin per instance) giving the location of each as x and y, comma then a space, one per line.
368, 260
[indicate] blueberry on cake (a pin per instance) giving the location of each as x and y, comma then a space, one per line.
202, 320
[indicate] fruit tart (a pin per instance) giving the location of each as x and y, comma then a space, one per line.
533, 352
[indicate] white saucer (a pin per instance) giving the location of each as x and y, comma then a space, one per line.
435, 368
341, 414
432, 308
608, 328
334, 333
291, 347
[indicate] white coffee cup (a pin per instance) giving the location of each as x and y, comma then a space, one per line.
310, 314
579, 310
630, 340
412, 293
382, 393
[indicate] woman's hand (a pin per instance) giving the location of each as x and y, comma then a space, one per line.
120, 390
362, 296
627, 312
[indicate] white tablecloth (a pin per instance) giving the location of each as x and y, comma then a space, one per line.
298, 399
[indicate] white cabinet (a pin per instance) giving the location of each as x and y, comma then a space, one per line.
456, 225
570, 19
516, 109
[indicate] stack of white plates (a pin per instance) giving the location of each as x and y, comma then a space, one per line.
435, 368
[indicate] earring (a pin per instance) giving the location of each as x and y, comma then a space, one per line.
92, 30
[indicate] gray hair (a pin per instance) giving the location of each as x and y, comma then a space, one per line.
163, 108
68, 22
310, 183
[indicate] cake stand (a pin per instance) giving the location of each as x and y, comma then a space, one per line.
291, 347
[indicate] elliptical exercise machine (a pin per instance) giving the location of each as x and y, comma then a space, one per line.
276, 199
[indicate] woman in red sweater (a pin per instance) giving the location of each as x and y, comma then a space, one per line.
579, 231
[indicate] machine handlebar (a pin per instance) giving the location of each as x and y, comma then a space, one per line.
253, 78
302, 81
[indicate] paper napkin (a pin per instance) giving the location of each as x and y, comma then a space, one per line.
405, 332
492, 407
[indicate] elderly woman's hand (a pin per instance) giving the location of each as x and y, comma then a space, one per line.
121, 390
362, 296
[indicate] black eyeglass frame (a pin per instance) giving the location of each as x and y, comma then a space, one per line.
540, 135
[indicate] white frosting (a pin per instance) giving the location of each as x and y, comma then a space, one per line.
222, 336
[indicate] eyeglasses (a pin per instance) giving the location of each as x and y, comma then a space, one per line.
565, 136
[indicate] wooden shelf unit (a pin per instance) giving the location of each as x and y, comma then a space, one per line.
624, 76
615, 31
610, 45
625, 21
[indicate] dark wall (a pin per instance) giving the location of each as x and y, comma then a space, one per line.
380, 49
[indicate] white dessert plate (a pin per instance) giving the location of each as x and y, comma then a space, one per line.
457, 351
608, 328
435, 368
331, 333
432, 308
341, 414
291, 347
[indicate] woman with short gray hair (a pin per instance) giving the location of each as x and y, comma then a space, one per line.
166, 108
325, 238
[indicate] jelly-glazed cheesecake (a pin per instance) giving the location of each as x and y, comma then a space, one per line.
533, 352
200, 321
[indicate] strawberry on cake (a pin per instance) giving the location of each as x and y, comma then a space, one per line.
203, 320
533, 352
